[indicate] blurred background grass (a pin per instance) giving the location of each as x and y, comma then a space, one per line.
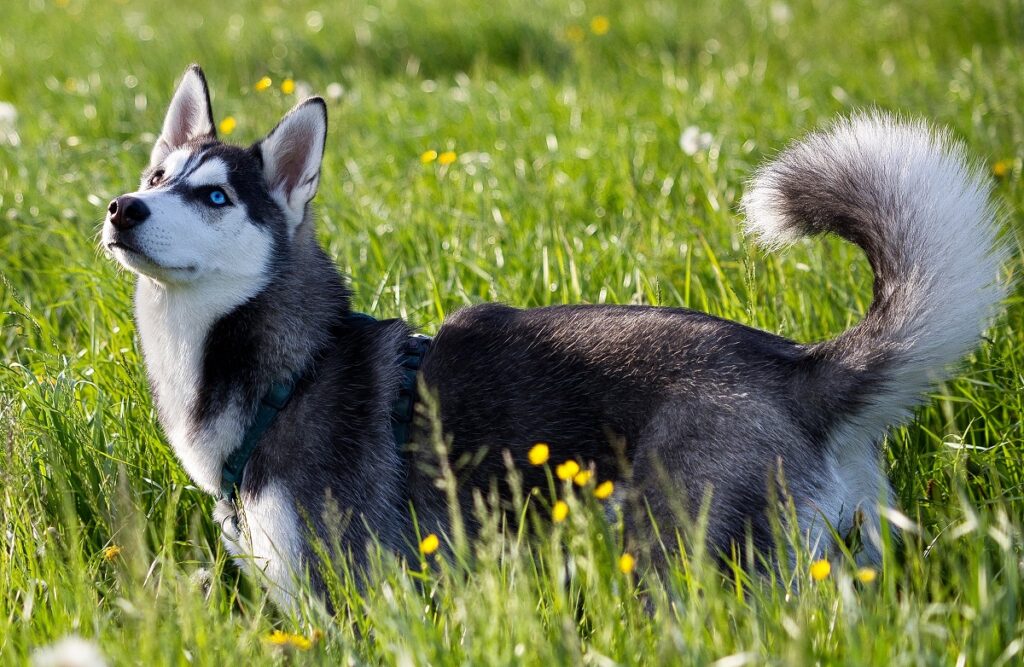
570, 185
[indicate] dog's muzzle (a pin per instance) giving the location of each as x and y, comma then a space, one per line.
127, 212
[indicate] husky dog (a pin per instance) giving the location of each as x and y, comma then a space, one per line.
278, 398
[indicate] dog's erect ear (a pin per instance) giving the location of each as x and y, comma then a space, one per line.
189, 116
291, 156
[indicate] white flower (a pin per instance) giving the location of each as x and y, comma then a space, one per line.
8, 120
335, 90
72, 651
692, 140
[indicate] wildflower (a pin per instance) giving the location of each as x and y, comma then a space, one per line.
567, 470
72, 651
429, 544
289, 640
446, 158
1002, 168
426, 157
559, 511
599, 25
111, 552
866, 575
263, 84
692, 140
288, 86
8, 124
227, 126
626, 563
574, 34
538, 454
604, 490
581, 478
335, 91
820, 569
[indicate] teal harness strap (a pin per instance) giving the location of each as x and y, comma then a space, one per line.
277, 397
273, 401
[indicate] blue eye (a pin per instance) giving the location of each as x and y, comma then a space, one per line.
217, 197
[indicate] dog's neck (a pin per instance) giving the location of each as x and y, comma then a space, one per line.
212, 351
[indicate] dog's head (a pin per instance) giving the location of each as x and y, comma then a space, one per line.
206, 210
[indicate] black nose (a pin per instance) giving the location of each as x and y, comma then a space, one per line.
126, 212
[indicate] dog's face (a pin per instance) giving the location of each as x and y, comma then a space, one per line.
206, 210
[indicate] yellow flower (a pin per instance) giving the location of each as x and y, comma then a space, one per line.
429, 544
626, 563
866, 575
289, 640
599, 25
426, 157
263, 83
581, 478
574, 34
446, 158
288, 86
227, 126
1001, 168
538, 454
559, 511
111, 552
567, 470
604, 490
820, 569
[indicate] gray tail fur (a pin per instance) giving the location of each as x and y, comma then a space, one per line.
906, 194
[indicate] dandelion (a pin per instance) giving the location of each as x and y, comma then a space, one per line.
599, 25
866, 575
72, 651
574, 34
567, 470
820, 569
538, 454
692, 140
429, 544
263, 84
111, 552
446, 158
627, 563
582, 477
1002, 168
426, 157
604, 490
227, 126
559, 511
288, 86
289, 640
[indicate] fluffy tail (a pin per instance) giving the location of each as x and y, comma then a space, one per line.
906, 194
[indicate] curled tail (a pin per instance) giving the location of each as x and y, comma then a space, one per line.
906, 194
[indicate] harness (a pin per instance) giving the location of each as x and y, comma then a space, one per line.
402, 409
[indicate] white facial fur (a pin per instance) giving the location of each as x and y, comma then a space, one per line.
184, 241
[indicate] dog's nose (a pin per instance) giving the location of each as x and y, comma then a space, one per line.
126, 212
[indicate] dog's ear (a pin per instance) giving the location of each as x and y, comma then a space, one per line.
189, 116
292, 153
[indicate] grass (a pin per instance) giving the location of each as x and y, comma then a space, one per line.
570, 186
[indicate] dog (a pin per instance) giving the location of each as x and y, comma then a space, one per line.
282, 401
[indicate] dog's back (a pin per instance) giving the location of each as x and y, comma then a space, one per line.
689, 406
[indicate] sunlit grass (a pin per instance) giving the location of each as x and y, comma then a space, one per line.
530, 153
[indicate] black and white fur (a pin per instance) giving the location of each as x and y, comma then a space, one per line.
678, 406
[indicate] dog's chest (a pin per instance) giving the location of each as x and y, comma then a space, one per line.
173, 334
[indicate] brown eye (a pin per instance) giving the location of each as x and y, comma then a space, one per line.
157, 176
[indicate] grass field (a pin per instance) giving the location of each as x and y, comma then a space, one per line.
570, 184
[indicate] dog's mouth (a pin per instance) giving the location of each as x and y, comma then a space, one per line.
134, 256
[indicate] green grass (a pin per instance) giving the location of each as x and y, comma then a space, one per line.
570, 187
